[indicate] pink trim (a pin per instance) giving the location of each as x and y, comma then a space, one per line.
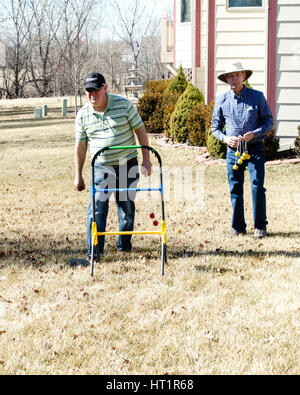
198, 34
211, 52
174, 35
272, 43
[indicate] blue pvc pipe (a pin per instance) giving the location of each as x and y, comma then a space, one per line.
128, 189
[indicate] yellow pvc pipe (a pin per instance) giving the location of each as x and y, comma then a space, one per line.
127, 233
95, 233
163, 232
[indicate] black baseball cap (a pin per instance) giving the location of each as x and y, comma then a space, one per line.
94, 81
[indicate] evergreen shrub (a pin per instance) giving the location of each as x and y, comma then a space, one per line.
173, 92
178, 83
178, 122
271, 145
199, 123
216, 148
169, 103
150, 106
157, 86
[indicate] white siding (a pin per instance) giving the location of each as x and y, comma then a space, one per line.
288, 72
241, 35
204, 32
167, 40
184, 42
287, 96
201, 72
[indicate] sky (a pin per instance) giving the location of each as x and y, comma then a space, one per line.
165, 7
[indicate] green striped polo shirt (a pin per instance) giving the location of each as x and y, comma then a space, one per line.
114, 127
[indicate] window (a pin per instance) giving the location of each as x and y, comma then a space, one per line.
186, 15
245, 3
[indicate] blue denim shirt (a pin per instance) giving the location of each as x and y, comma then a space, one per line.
248, 112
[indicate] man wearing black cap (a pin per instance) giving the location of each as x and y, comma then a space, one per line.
109, 120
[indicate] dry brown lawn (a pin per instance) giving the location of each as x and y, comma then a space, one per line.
224, 306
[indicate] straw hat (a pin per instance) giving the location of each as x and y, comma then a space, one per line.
233, 68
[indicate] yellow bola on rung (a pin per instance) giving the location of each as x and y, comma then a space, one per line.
235, 167
237, 153
240, 161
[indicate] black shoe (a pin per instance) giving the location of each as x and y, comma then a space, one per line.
122, 250
95, 257
78, 262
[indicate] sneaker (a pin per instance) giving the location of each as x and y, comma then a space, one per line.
234, 233
260, 233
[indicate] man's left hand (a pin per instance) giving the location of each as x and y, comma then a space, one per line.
247, 136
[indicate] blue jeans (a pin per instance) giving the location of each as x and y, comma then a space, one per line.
112, 177
256, 167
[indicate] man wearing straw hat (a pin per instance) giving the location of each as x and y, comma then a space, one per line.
242, 118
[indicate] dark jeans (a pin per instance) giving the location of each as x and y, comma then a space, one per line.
112, 177
256, 167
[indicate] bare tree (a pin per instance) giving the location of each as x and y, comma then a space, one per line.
150, 65
74, 40
109, 60
17, 48
45, 17
133, 22
51, 44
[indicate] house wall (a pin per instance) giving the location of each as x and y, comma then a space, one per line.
241, 34
184, 40
288, 72
266, 40
167, 40
201, 69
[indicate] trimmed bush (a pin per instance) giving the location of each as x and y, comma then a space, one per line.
157, 86
216, 148
150, 106
178, 122
169, 103
178, 83
199, 123
173, 92
158, 102
297, 143
271, 145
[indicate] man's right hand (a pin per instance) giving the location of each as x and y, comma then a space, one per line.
80, 153
79, 183
232, 141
